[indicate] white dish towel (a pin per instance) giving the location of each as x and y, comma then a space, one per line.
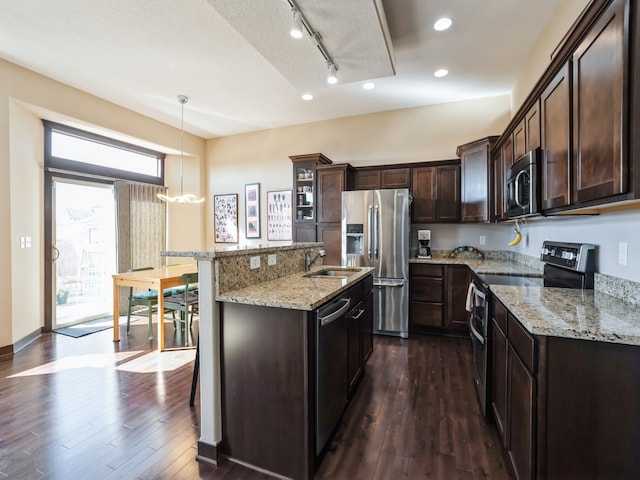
469, 303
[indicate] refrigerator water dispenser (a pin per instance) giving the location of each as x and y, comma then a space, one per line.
355, 239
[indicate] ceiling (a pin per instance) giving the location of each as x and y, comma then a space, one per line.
242, 71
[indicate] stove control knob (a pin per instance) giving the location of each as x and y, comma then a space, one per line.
568, 255
544, 251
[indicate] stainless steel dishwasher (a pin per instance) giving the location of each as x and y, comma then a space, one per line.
331, 366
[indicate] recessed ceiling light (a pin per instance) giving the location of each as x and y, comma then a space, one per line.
442, 24
443, 72
307, 96
368, 85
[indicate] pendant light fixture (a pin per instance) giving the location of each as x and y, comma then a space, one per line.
189, 197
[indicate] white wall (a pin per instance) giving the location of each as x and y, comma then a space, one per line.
539, 58
605, 230
398, 136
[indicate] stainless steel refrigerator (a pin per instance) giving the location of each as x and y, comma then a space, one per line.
375, 233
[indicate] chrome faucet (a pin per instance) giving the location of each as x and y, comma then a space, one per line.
308, 261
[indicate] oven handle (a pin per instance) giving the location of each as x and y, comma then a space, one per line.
474, 332
517, 182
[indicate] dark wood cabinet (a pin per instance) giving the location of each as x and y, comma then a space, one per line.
599, 108
499, 378
532, 128
369, 178
436, 194
366, 328
331, 235
513, 391
475, 166
437, 297
526, 136
360, 336
426, 296
556, 141
521, 391
305, 195
497, 185
332, 180
458, 279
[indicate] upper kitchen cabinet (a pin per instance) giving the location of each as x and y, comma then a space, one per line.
526, 136
305, 191
436, 193
332, 181
599, 108
475, 166
556, 140
367, 178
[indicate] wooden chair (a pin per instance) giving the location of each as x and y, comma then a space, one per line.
185, 302
147, 299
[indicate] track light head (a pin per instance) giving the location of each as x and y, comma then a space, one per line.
332, 78
296, 28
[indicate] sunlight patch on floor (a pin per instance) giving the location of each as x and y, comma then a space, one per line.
98, 360
158, 361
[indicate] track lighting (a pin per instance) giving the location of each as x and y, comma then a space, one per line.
296, 28
332, 78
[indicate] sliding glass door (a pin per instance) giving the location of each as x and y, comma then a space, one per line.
84, 250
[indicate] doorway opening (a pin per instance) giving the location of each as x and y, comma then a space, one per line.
84, 256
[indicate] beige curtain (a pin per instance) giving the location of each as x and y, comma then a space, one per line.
142, 228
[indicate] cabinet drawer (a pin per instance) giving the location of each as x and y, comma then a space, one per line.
425, 314
426, 270
426, 289
500, 315
523, 343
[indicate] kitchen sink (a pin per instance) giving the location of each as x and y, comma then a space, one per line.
333, 273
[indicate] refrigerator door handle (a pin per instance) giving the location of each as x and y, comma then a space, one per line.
369, 223
375, 232
388, 284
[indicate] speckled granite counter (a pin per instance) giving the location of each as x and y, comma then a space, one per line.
580, 314
495, 266
294, 291
557, 312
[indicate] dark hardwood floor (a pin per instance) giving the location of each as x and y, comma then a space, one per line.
87, 408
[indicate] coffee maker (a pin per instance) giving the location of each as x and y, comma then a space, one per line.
424, 239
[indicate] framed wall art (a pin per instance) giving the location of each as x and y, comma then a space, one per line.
225, 208
279, 221
252, 210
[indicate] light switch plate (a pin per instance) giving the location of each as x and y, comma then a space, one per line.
271, 259
254, 262
483, 240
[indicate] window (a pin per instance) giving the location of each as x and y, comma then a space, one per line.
70, 149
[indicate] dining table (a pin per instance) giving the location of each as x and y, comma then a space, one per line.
157, 279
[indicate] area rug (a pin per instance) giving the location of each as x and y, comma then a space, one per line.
87, 328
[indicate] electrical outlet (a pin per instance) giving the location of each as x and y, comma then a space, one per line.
271, 259
22, 242
622, 253
27, 242
483, 240
254, 262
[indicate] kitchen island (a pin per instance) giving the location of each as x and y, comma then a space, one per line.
261, 400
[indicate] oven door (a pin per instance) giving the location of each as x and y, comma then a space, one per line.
478, 321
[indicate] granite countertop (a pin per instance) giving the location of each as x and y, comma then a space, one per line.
295, 291
557, 312
498, 267
572, 313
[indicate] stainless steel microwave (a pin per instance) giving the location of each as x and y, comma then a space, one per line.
523, 186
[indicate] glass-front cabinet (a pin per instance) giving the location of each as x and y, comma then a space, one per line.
304, 190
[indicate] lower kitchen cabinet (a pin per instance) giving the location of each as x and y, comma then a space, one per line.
564, 408
360, 339
437, 296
